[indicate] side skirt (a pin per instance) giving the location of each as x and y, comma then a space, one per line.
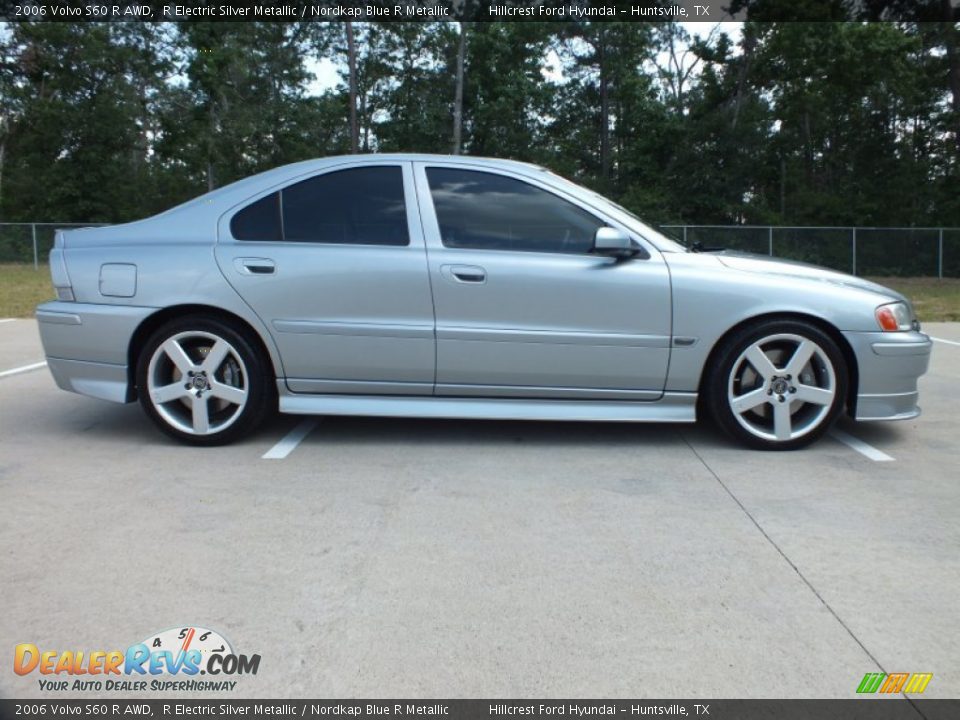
672, 407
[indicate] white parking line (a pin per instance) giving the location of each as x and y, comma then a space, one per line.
23, 369
860, 446
3, 320
290, 441
948, 342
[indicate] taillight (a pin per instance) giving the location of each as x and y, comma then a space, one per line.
58, 271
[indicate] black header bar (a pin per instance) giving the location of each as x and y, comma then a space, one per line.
709, 11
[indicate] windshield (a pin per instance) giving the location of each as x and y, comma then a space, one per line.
662, 242
658, 237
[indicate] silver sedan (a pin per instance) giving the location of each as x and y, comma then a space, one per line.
452, 287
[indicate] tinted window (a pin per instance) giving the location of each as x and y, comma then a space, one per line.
492, 212
259, 221
363, 206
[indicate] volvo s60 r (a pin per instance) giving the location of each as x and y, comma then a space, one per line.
454, 287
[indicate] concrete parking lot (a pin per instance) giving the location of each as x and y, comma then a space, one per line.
406, 558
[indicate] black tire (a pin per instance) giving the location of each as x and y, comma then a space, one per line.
783, 391
243, 371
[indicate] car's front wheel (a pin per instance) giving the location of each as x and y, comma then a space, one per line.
201, 380
778, 384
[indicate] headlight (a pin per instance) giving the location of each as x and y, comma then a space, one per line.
894, 317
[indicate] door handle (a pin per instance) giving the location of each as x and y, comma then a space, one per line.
255, 266
464, 273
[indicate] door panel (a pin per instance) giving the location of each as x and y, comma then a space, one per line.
346, 317
539, 324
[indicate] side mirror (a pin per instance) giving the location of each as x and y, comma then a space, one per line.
614, 243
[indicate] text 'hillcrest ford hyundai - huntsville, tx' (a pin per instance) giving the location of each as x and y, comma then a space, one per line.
454, 287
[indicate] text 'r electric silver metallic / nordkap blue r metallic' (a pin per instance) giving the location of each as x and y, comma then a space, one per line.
455, 287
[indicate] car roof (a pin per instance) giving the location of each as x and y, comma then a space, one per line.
228, 195
205, 210
304, 167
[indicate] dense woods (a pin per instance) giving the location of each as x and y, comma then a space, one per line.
790, 123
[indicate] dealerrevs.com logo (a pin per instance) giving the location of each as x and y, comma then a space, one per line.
170, 660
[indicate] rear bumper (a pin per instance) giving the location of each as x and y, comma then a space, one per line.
86, 346
99, 380
889, 366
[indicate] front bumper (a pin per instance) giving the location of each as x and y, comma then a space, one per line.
86, 346
889, 366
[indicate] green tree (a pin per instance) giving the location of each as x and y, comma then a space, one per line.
77, 108
416, 103
850, 102
505, 98
242, 108
609, 129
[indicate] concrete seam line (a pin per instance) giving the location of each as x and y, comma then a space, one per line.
782, 553
290, 441
865, 449
948, 342
23, 369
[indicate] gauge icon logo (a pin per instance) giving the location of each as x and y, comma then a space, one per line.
184, 639
192, 650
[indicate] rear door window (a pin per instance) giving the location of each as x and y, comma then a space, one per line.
359, 206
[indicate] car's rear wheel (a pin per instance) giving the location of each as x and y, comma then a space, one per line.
778, 384
201, 380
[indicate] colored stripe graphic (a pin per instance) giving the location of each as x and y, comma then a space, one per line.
918, 682
894, 682
870, 682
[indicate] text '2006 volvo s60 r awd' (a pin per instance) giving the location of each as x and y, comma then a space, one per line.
452, 287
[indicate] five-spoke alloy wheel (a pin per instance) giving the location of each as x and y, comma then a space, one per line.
778, 384
201, 380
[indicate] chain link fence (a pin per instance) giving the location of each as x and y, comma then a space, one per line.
31, 242
900, 252
903, 252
